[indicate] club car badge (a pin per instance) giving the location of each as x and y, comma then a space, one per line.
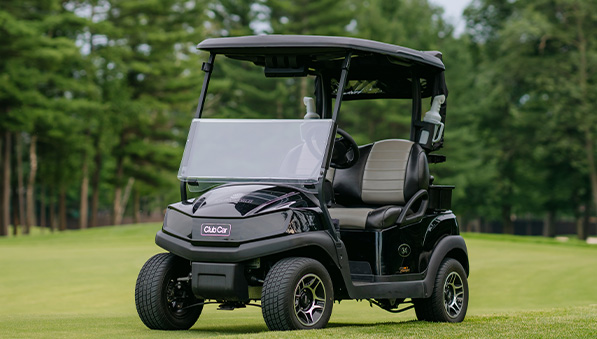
215, 230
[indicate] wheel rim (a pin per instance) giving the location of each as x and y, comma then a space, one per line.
177, 297
309, 299
453, 294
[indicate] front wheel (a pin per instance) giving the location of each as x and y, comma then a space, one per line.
449, 300
162, 300
297, 295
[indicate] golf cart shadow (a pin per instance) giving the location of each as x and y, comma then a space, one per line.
229, 329
338, 325
259, 328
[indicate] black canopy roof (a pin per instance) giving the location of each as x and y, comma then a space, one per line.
317, 46
388, 67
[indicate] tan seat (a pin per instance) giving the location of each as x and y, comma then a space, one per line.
386, 185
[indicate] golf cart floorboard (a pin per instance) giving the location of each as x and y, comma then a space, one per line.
359, 279
403, 289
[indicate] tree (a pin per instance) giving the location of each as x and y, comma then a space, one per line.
537, 114
148, 75
39, 57
414, 24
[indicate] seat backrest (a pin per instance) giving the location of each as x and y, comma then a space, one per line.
389, 172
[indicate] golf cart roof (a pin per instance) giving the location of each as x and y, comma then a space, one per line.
318, 46
385, 70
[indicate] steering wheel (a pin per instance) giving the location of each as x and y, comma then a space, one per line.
346, 151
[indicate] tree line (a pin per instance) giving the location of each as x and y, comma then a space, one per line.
96, 98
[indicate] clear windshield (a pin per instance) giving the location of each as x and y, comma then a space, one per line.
222, 150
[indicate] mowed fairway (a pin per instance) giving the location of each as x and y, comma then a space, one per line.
81, 284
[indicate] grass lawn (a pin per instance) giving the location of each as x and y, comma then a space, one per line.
81, 284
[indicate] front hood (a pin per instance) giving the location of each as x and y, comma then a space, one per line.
232, 214
245, 200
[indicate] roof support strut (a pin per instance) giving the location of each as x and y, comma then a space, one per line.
342, 84
207, 68
416, 106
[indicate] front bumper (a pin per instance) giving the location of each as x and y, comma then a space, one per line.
245, 251
219, 272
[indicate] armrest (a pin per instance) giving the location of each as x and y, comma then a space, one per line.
418, 215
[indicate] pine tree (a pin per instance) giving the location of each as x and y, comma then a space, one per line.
535, 58
149, 78
38, 63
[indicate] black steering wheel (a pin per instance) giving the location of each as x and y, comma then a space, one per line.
346, 151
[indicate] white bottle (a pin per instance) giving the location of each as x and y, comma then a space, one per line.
310, 104
433, 117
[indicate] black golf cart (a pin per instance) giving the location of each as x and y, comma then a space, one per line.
293, 215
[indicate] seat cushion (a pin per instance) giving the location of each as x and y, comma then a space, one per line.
366, 218
388, 172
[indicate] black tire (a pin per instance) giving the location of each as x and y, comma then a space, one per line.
297, 295
160, 300
449, 300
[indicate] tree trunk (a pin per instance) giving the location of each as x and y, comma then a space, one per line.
31, 183
122, 200
582, 222
117, 205
62, 208
42, 208
591, 160
15, 217
20, 182
53, 210
303, 93
83, 207
549, 227
6, 186
136, 207
585, 106
16, 222
95, 182
507, 219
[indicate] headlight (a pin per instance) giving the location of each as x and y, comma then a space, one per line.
178, 223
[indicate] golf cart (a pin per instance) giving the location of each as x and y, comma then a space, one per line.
292, 214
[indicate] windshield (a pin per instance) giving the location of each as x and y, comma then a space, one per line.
222, 150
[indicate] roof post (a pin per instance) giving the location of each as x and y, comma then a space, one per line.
416, 106
207, 68
342, 84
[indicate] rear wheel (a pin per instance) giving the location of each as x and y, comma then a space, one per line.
449, 300
162, 299
297, 294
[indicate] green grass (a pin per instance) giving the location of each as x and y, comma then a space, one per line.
81, 284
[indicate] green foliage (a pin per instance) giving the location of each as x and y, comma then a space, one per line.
110, 85
532, 118
414, 24
324, 17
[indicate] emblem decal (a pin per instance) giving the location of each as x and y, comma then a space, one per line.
404, 250
215, 230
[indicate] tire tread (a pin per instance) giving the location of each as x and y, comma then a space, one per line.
432, 308
148, 293
275, 305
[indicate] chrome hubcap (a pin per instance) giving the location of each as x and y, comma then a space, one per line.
309, 300
453, 294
